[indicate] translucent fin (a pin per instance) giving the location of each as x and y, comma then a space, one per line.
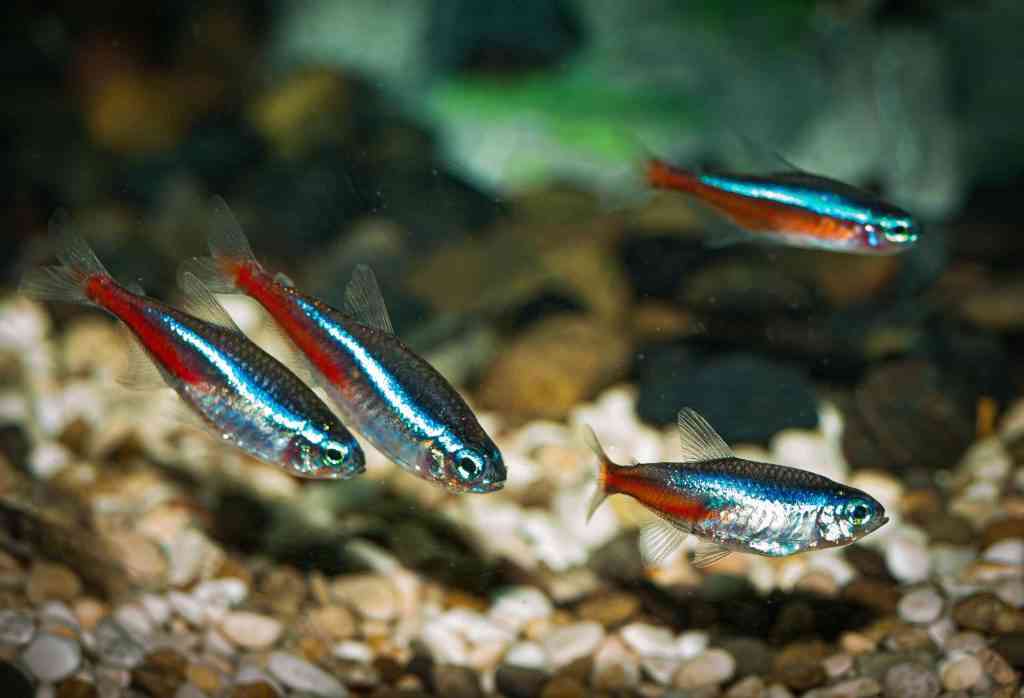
364, 302
290, 354
199, 301
283, 279
699, 441
136, 288
762, 157
225, 235
708, 554
140, 373
210, 273
603, 464
659, 539
67, 281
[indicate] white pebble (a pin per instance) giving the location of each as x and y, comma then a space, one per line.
47, 459
1009, 551
907, 560
353, 651
707, 669
837, 664
187, 607
660, 669
961, 673
303, 676
567, 643
135, 620
1011, 591
251, 630
57, 613
649, 640
920, 606
185, 557
691, 643
224, 592
116, 646
51, 658
527, 654
477, 628
615, 667
16, 627
988, 459
518, 606
444, 644
158, 608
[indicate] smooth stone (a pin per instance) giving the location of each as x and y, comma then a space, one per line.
162, 672
140, 554
353, 651
609, 609
51, 658
749, 687
660, 669
301, 675
16, 627
649, 640
333, 622
372, 596
519, 681
254, 689
568, 643
456, 681
907, 560
837, 665
564, 687
713, 667
224, 592
615, 667
51, 581
527, 654
251, 630
962, 673
116, 646
691, 643
911, 680
188, 608
187, 690
158, 608
517, 606
921, 606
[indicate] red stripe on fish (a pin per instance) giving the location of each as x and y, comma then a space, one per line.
656, 496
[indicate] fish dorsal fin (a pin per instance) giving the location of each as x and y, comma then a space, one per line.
659, 539
226, 237
708, 553
199, 301
364, 302
283, 279
763, 157
699, 441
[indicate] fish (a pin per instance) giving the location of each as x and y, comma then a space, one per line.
731, 504
381, 387
794, 208
240, 392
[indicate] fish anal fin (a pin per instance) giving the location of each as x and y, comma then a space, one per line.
659, 539
200, 301
139, 372
364, 302
698, 439
708, 553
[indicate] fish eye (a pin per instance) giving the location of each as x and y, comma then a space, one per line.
900, 233
334, 453
859, 514
468, 466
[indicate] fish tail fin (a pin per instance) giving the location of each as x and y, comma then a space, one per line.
229, 251
68, 281
604, 467
662, 175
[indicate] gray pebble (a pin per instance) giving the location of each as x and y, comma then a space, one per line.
16, 627
911, 680
51, 658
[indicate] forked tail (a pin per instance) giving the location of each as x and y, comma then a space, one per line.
229, 252
604, 467
71, 280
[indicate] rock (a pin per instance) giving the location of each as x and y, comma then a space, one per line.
649, 640
997, 307
527, 654
14, 681
300, 675
922, 606
657, 264
798, 666
50, 581
905, 415
564, 687
161, 673
986, 613
1009, 551
335, 623
713, 667
456, 681
962, 673
610, 610
254, 689
693, 642
251, 630
205, 677
51, 658
187, 690
744, 287
707, 386
519, 682
1002, 528
283, 590
615, 668
372, 596
911, 680
187, 607
907, 560
307, 110
221, 593
555, 365
517, 606
77, 687
16, 627
996, 667
752, 656
837, 665
568, 643
851, 688
750, 687
139, 554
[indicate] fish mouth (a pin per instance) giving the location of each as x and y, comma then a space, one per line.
878, 524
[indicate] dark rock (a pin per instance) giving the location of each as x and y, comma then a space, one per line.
519, 682
1001, 529
989, 614
775, 396
798, 666
945, 527
657, 265
619, 560
882, 596
456, 681
161, 673
911, 680
1011, 648
14, 445
744, 287
753, 657
221, 150
16, 684
868, 562
905, 415
76, 687
658, 369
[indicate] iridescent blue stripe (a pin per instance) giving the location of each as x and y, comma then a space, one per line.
238, 381
381, 379
823, 203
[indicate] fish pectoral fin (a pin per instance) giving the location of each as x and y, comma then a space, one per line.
364, 302
200, 301
708, 553
699, 440
659, 539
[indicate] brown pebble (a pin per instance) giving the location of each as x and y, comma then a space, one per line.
907, 639
258, 689
48, 581
1001, 529
610, 610
204, 677
873, 593
388, 669
798, 665
456, 682
332, 622
564, 687
89, 611
282, 591
995, 666
76, 687
987, 613
461, 599
313, 649
161, 673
